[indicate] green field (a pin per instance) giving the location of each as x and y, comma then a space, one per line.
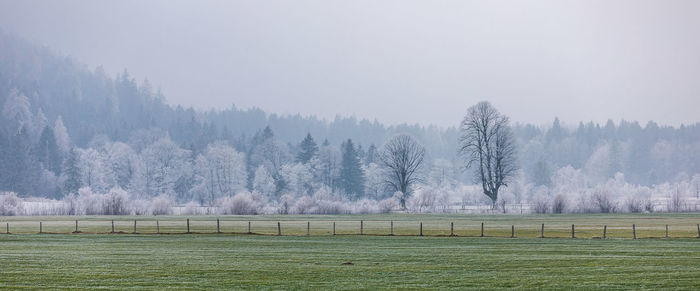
295, 261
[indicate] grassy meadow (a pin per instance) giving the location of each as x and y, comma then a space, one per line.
94, 259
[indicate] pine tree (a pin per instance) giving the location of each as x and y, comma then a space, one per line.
371, 156
71, 173
308, 149
352, 179
48, 152
24, 170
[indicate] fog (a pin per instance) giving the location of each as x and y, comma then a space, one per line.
578, 60
167, 107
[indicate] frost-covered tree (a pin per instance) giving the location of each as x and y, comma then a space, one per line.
487, 143
47, 151
372, 155
123, 163
95, 171
307, 149
16, 112
221, 171
402, 159
61, 135
374, 181
160, 166
263, 182
352, 178
298, 179
71, 174
328, 169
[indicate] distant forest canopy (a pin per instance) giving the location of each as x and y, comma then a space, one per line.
54, 110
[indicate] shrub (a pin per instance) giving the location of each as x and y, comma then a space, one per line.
540, 205
115, 202
387, 205
634, 205
241, 204
11, 205
602, 201
677, 203
162, 205
559, 204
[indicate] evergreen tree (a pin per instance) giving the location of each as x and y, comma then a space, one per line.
48, 152
371, 156
24, 170
71, 173
352, 178
542, 174
308, 149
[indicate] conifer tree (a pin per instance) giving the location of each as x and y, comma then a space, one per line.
352, 178
71, 173
308, 149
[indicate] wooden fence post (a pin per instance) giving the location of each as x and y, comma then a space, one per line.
482, 229
157, 227
391, 228
134, 225
573, 233
7, 229
112, 225
452, 229
333, 227
188, 225
512, 231
605, 230
76, 226
308, 228
218, 229
279, 228
667, 231
634, 232
39, 226
362, 226
421, 228
698, 230
249, 232
542, 231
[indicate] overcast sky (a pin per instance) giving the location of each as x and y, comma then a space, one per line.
396, 61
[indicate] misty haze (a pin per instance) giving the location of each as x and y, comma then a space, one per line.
485, 127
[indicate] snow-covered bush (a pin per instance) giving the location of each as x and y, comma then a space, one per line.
559, 204
540, 205
243, 203
192, 208
162, 205
365, 206
388, 205
603, 202
116, 202
11, 205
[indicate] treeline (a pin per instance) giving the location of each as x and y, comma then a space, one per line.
65, 127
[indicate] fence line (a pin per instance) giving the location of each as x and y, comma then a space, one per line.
493, 232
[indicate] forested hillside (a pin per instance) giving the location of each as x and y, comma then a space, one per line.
66, 126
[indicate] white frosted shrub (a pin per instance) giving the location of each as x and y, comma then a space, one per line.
387, 205
162, 205
115, 202
10, 204
365, 206
243, 203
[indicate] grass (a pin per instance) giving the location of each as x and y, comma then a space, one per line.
233, 261
526, 226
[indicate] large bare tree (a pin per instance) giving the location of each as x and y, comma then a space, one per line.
487, 144
402, 157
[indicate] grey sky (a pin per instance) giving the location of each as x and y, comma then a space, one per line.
396, 61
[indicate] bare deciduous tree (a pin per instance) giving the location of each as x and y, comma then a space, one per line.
487, 143
402, 157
